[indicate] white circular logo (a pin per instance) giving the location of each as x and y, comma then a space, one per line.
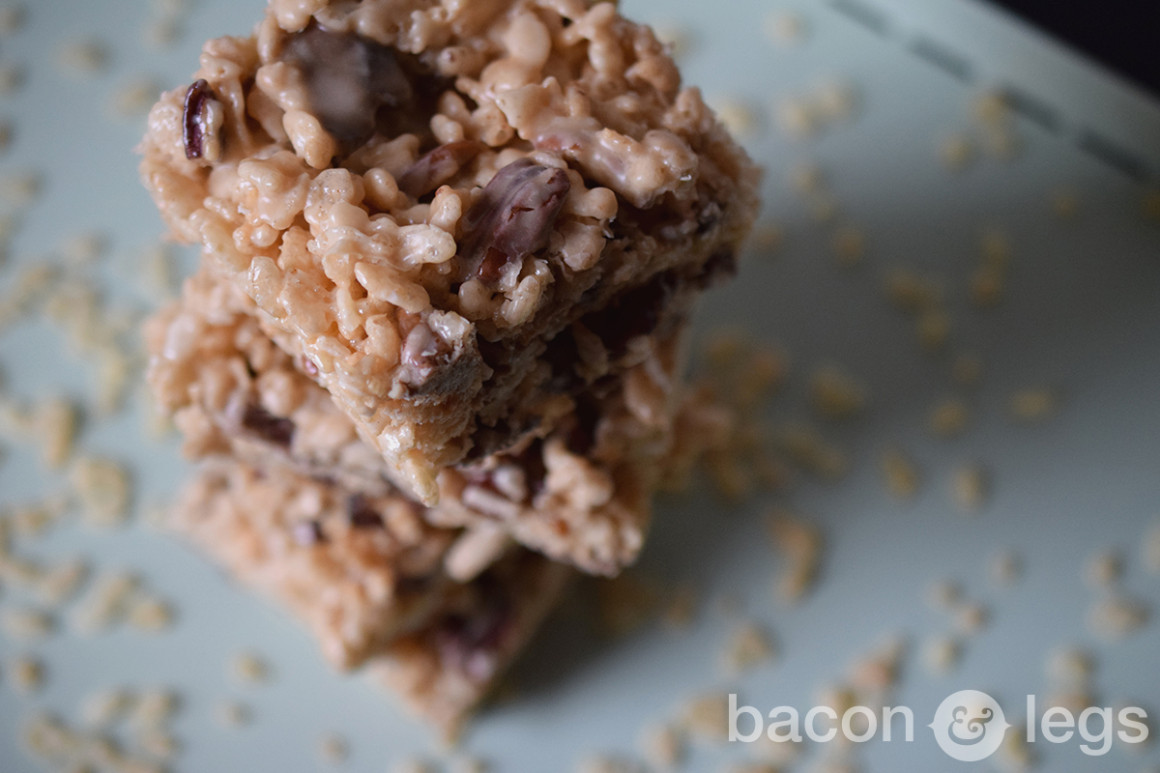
969, 726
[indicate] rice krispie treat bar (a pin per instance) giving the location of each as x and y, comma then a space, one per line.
459, 215
580, 493
358, 570
444, 670
349, 566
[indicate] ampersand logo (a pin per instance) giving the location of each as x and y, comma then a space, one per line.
969, 726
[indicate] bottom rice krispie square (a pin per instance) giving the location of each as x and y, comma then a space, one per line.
364, 574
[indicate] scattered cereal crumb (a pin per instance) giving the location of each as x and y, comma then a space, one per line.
725, 348
737, 116
333, 748
805, 447
1151, 205
82, 57
1069, 667
1015, 754
778, 752
1002, 143
1075, 700
900, 473
1116, 617
824, 207
807, 177
158, 270
135, 97
170, 7
749, 645
971, 618
250, 668
940, 655
19, 571
849, 245
84, 249
948, 417
105, 603
29, 289
839, 697
662, 745
933, 328
1103, 569
800, 543
26, 624
234, 714
149, 613
604, 763
995, 247
103, 709
114, 368
967, 370
412, 766
956, 152
19, 188
1065, 203
34, 519
795, 117
15, 419
12, 17
157, 744
987, 286
836, 100
834, 394
677, 37
162, 31
1033, 404
706, 717
55, 422
45, 736
911, 292
766, 238
944, 595
681, 608
103, 488
626, 602
62, 582
153, 708
970, 487
784, 27
878, 671
11, 78
991, 107
1005, 568
27, 674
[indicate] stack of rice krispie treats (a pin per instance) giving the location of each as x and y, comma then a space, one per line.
431, 358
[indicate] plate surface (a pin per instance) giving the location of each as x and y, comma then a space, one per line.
884, 118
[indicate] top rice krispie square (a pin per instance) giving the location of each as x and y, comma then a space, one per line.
452, 213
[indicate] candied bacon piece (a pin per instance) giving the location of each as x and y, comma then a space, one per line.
348, 78
269, 427
512, 218
437, 166
194, 119
361, 512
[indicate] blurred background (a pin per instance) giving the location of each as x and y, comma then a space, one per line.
949, 479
